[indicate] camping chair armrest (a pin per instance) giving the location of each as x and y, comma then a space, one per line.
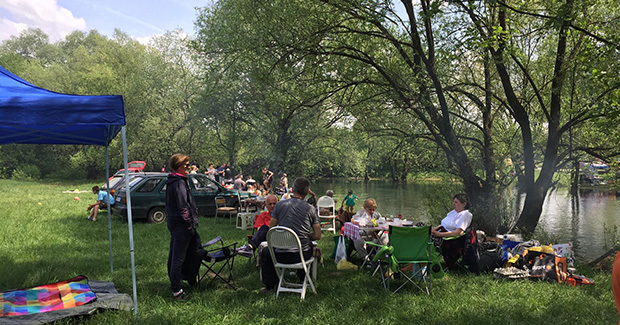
374, 244
230, 247
454, 237
213, 241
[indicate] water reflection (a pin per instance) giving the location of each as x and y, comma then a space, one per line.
580, 219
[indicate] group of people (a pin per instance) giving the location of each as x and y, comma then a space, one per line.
453, 225
294, 213
184, 256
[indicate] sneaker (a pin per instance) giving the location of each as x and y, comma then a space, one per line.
88, 218
245, 251
179, 295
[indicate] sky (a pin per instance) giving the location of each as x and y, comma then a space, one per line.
140, 19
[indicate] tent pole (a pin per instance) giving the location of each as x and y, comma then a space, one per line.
107, 186
130, 222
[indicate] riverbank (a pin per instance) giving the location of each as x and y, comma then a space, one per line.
46, 238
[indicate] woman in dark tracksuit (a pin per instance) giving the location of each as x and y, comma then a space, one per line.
182, 215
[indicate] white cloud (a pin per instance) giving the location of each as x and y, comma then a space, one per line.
47, 15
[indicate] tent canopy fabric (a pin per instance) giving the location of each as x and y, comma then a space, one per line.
29, 114
33, 115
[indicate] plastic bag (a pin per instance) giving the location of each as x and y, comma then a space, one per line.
341, 250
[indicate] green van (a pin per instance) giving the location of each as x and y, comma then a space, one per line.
148, 196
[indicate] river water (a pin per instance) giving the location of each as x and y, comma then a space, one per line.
582, 220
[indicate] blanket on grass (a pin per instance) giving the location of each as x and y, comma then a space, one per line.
55, 296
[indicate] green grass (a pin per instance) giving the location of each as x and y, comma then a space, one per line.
45, 238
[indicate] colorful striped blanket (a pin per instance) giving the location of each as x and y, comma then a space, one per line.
41, 299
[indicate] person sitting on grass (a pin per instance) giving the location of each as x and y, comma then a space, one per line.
261, 223
103, 200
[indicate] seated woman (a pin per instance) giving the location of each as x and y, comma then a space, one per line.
453, 225
365, 216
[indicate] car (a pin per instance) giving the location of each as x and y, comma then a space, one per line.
148, 196
133, 167
118, 180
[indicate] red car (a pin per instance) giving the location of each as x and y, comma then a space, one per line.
132, 166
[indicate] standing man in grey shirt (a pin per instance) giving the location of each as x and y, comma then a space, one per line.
296, 214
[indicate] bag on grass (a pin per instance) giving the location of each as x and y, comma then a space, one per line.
545, 266
491, 255
341, 250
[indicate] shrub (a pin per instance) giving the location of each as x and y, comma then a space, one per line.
27, 173
67, 173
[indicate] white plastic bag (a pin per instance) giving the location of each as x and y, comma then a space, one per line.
341, 250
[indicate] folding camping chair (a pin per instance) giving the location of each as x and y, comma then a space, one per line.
284, 238
408, 245
213, 256
462, 251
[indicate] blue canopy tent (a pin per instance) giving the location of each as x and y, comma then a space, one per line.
33, 115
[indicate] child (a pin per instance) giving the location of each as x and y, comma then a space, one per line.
349, 201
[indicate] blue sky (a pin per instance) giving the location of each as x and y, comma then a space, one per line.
138, 18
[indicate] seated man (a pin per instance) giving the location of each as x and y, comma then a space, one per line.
324, 211
367, 214
103, 200
261, 223
299, 216
238, 184
250, 182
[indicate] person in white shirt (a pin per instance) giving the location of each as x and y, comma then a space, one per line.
457, 220
453, 225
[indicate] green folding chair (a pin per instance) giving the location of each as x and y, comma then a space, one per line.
409, 245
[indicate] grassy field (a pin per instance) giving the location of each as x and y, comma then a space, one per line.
45, 238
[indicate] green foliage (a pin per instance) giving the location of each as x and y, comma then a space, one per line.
27, 172
438, 198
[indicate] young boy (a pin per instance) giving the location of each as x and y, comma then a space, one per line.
103, 201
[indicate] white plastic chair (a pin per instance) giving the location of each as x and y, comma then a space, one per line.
326, 203
284, 238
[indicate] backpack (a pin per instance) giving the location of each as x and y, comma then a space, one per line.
491, 255
471, 255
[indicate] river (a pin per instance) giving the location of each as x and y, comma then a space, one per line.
582, 220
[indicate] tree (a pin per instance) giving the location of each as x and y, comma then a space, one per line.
455, 69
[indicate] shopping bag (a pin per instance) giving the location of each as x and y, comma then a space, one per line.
545, 266
341, 250
565, 250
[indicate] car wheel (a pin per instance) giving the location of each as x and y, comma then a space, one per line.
157, 215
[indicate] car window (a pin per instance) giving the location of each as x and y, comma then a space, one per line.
132, 182
204, 184
149, 185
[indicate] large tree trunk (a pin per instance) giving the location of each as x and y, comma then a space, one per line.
536, 193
